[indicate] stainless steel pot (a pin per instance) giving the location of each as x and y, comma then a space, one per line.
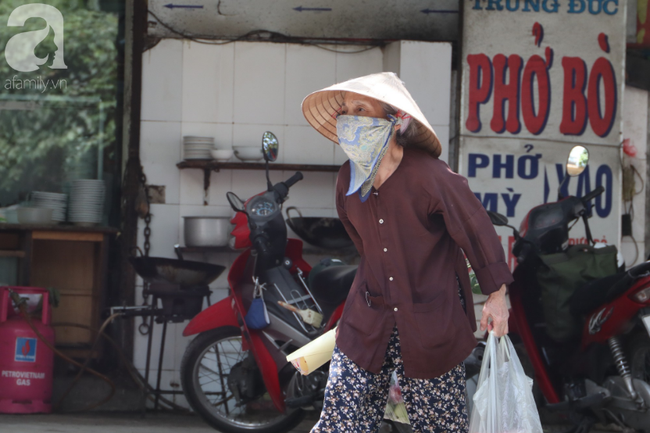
202, 231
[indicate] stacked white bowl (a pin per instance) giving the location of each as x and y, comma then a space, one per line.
248, 153
51, 200
87, 202
195, 147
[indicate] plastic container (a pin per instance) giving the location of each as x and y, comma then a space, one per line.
26, 363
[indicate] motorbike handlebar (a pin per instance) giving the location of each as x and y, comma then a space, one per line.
293, 179
282, 188
598, 191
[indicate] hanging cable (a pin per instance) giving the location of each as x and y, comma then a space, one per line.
84, 367
263, 35
629, 190
135, 375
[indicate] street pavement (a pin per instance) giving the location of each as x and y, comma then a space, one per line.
133, 422
110, 422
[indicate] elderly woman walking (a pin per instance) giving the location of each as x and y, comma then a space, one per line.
411, 218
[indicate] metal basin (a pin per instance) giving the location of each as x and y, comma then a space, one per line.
202, 231
322, 232
181, 272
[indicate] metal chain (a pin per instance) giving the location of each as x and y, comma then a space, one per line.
144, 327
147, 218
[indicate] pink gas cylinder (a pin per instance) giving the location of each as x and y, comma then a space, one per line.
26, 363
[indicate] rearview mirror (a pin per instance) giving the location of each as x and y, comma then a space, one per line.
235, 202
270, 146
497, 219
577, 161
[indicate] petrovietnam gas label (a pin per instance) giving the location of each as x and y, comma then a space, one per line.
540, 76
25, 349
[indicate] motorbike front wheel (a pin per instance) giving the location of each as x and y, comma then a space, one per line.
222, 384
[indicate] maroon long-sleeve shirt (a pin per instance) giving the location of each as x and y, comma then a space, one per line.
409, 234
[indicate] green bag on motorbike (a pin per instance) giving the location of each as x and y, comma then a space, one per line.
560, 275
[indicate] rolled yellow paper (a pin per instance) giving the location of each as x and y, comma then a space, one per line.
314, 354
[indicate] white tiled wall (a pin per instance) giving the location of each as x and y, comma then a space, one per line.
259, 83
424, 65
162, 72
159, 150
235, 92
308, 69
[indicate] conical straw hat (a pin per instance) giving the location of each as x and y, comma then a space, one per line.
321, 107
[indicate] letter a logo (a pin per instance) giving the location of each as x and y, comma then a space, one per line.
19, 51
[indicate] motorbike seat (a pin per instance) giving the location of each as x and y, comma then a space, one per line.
332, 285
598, 292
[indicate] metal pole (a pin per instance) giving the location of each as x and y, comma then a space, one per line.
146, 371
135, 32
160, 362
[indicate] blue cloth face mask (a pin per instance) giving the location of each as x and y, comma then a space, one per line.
365, 141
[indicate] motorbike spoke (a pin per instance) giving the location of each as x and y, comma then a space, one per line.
208, 369
224, 401
224, 355
217, 358
211, 373
221, 377
210, 381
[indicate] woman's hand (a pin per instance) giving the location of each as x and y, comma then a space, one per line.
495, 308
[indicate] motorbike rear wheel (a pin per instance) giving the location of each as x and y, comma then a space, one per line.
638, 353
207, 364
639, 356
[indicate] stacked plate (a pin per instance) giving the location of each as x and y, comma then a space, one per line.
86, 202
197, 147
52, 200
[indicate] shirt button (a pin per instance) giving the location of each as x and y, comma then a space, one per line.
381, 221
395, 309
390, 279
385, 249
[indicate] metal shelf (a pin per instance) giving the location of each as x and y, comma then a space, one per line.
224, 249
12, 253
307, 249
212, 165
209, 165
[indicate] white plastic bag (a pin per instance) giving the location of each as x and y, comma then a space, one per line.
395, 407
503, 402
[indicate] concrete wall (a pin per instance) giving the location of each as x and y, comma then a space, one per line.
235, 92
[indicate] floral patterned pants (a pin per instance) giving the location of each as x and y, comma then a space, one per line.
355, 399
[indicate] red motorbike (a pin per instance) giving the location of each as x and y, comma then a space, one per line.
238, 378
603, 375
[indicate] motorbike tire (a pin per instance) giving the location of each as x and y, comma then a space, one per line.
213, 399
638, 352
